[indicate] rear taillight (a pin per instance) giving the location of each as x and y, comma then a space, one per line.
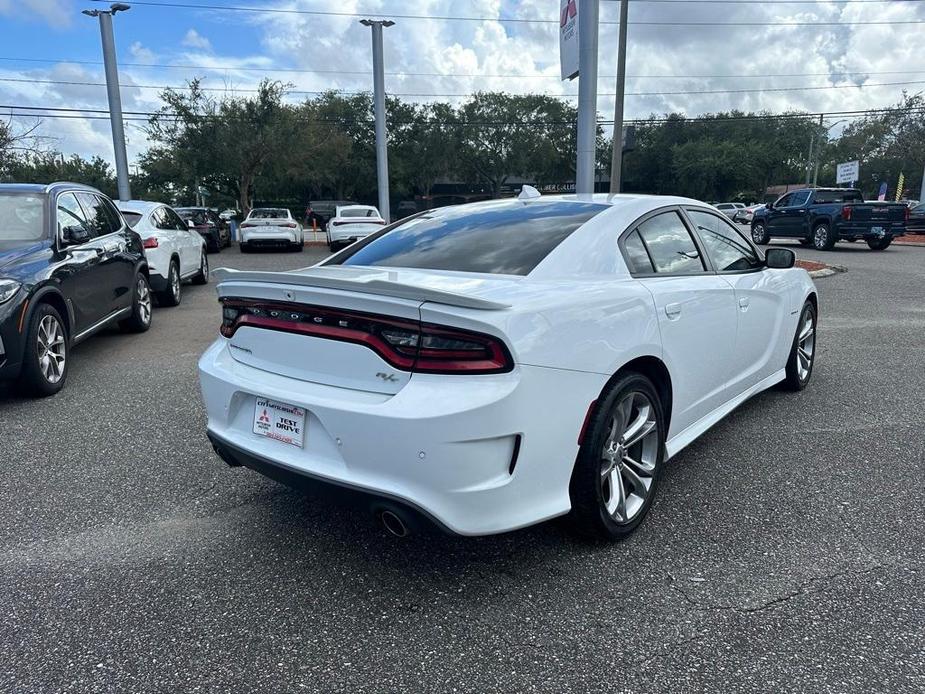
846, 213
150, 242
245, 225
289, 225
405, 345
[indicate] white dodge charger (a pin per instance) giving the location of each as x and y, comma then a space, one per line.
492, 365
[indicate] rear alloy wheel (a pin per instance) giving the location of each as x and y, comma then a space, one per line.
173, 293
803, 352
617, 471
202, 277
45, 360
823, 238
880, 244
760, 234
140, 320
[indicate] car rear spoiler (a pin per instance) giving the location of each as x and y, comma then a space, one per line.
364, 281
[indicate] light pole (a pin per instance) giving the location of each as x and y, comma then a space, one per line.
382, 156
112, 90
616, 163
588, 13
819, 149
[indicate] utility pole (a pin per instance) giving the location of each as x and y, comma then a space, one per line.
616, 163
588, 19
809, 159
112, 91
922, 190
818, 152
382, 161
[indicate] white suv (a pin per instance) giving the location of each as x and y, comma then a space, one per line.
174, 250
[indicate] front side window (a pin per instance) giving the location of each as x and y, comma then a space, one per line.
784, 200
505, 237
22, 217
727, 248
670, 245
71, 219
799, 199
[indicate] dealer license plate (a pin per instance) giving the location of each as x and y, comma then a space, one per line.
279, 421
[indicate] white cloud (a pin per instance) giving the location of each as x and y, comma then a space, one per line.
57, 13
194, 39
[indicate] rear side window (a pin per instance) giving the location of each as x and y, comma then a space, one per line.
823, 197
99, 218
637, 257
670, 245
132, 218
506, 237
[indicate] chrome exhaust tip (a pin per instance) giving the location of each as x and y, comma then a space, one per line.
393, 524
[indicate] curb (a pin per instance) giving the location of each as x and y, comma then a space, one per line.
827, 271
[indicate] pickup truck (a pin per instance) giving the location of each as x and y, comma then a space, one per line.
819, 217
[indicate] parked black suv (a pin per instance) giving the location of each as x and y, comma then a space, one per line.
69, 266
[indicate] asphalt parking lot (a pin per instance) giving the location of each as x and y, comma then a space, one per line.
786, 551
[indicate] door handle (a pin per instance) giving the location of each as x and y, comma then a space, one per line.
743, 303
673, 311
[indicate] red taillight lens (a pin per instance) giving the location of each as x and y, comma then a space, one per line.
150, 242
290, 225
406, 345
245, 225
846, 213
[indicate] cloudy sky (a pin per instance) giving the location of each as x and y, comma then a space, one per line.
853, 54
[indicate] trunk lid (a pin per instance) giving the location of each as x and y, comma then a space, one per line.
306, 324
878, 212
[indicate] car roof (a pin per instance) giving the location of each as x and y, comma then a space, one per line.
138, 206
45, 188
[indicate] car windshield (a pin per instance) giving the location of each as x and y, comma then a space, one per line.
502, 237
22, 217
131, 217
359, 213
269, 214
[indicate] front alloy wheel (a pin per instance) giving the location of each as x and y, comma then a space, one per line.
52, 351
45, 359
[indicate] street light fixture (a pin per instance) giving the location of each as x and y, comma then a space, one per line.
112, 91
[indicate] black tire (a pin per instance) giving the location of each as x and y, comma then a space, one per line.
590, 513
202, 277
760, 234
140, 320
214, 243
33, 380
244, 247
880, 244
299, 247
798, 378
823, 238
172, 295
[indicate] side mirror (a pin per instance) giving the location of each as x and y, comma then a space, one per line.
779, 258
74, 235
769, 206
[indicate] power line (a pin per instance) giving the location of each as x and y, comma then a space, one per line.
503, 20
459, 95
510, 75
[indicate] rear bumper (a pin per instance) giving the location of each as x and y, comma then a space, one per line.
865, 231
444, 446
271, 238
347, 236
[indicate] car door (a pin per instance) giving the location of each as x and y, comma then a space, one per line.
762, 300
188, 241
696, 312
116, 272
777, 216
80, 265
790, 215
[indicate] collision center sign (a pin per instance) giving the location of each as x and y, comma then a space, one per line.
848, 172
568, 39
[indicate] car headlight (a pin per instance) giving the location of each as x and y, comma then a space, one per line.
7, 289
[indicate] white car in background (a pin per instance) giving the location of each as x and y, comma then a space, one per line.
351, 223
271, 227
730, 209
746, 214
175, 252
493, 365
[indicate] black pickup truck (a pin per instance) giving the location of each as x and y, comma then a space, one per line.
819, 217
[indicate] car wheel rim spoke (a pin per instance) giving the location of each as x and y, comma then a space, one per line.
144, 301
51, 349
806, 343
629, 457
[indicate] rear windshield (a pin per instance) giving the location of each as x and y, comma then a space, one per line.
22, 217
268, 213
358, 213
504, 237
828, 196
131, 217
